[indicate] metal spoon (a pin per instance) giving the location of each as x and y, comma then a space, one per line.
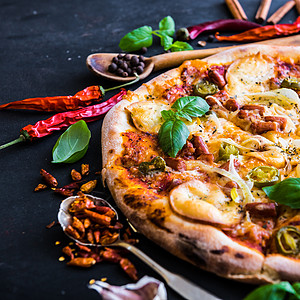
98, 62
182, 286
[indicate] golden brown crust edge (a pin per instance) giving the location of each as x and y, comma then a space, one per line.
254, 267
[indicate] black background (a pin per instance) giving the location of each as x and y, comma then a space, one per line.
43, 49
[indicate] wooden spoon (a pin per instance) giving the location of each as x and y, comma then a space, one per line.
99, 62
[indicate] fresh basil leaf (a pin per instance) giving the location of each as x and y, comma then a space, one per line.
296, 287
167, 26
72, 144
168, 115
136, 39
166, 41
285, 192
194, 106
172, 136
180, 46
184, 115
272, 292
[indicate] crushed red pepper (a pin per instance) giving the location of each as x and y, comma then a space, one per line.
48, 178
263, 33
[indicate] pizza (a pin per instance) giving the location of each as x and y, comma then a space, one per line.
201, 159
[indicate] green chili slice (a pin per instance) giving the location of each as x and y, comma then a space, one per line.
264, 176
288, 240
156, 164
205, 88
226, 150
291, 83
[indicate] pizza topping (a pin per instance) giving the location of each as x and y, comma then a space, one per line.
284, 97
204, 201
261, 209
264, 176
249, 74
226, 150
205, 88
288, 240
156, 164
177, 164
173, 133
291, 83
286, 192
232, 105
260, 109
217, 78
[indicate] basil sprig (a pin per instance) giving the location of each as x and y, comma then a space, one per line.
173, 133
72, 144
143, 37
285, 192
277, 291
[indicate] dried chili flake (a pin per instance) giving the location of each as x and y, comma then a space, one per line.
48, 178
129, 268
111, 255
85, 169
50, 225
84, 262
263, 33
68, 251
40, 187
83, 248
89, 186
98, 218
76, 176
64, 192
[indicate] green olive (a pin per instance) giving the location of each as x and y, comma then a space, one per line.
156, 164
291, 83
288, 240
205, 88
144, 167
226, 150
264, 176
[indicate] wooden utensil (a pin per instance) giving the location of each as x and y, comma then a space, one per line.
99, 62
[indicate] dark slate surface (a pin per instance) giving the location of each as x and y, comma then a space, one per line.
43, 49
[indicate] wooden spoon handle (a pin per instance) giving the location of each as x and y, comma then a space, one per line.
173, 59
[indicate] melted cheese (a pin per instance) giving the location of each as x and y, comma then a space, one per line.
249, 75
146, 115
204, 201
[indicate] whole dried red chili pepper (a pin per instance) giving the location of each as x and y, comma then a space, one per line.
263, 33
81, 99
221, 25
65, 119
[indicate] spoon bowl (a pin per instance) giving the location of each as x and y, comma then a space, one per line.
179, 284
98, 63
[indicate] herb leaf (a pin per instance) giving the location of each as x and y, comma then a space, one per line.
181, 46
136, 39
273, 292
285, 192
72, 144
166, 41
172, 136
168, 115
167, 26
191, 105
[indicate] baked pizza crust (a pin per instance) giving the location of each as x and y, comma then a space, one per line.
203, 245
